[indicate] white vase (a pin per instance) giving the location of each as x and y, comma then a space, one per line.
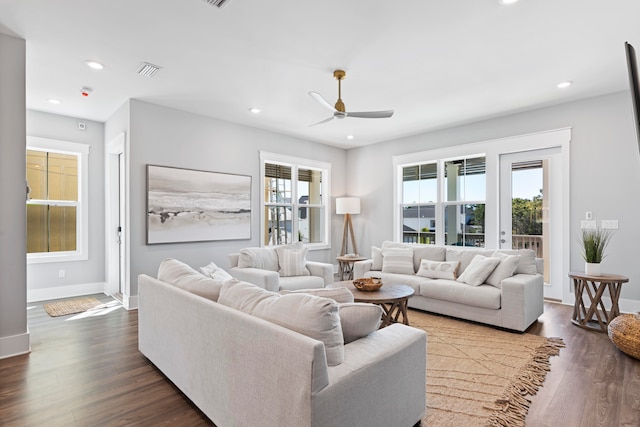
592, 268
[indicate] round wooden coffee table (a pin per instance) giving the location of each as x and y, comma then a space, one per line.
392, 298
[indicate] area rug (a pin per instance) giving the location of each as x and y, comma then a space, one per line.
478, 375
72, 306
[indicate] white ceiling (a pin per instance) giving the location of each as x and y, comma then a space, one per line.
437, 64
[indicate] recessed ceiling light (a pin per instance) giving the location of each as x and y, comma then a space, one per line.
508, 1
54, 101
255, 110
565, 84
349, 136
94, 64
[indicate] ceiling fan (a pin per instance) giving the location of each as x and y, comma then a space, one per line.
339, 109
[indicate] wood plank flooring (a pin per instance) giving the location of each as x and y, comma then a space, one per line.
88, 372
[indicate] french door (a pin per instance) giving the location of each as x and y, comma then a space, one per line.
531, 210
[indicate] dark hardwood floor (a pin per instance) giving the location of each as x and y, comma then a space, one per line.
88, 372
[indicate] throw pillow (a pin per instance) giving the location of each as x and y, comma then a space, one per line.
359, 320
292, 261
439, 270
527, 263
506, 268
215, 272
181, 275
306, 314
376, 258
478, 270
397, 260
339, 295
262, 258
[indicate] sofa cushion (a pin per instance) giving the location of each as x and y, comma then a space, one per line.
262, 258
376, 258
295, 283
397, 260
483, 296
215, 272
478, 270
527, 262
465, 256
181, 275
313, 316
506, 268
358, 319
420, 252
439, 270
339, 295
292, 261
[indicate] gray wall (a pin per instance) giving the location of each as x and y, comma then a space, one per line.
42, 278
168, 137
14, 336
605, 173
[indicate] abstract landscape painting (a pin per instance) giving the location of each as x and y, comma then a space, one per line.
185, 205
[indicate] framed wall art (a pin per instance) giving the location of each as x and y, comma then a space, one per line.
185, 205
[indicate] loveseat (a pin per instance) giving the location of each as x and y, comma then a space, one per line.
510, 296
280, 268
241, 369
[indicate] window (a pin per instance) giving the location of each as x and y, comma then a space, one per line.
56, 214
444, 202
294, 199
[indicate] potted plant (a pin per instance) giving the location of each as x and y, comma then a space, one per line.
594, 242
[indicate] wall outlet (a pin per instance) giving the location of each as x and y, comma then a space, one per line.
587, 224
588, 216
611, 224
61, 274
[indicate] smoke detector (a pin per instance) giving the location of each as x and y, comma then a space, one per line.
217, 3
86, 91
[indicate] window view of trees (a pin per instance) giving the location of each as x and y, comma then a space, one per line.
527, 215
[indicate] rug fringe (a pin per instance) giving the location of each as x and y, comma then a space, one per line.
511, 410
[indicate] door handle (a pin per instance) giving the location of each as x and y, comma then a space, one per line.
502, 241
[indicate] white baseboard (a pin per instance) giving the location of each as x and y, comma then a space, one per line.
14, 345
45, 294
130, 302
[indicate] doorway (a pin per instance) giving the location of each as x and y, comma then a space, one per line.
532, 210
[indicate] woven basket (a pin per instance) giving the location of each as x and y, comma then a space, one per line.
624, 333
369, 284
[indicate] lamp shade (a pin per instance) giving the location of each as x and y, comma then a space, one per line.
347, 205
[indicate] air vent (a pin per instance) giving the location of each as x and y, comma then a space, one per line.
218, 3
147, 70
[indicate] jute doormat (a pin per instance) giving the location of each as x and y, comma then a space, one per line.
72, 306
478, 375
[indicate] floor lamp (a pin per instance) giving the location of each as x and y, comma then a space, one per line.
347, 206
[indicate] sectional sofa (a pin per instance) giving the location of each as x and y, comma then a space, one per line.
509, 296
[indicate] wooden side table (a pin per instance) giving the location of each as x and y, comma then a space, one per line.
594, 286
345, 266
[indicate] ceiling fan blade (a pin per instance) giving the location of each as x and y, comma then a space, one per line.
322, 101
371, 114
323, 121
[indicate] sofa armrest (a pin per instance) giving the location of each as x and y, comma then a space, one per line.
266, 279
361, 267
233, 260
389, 362
321, 269
522, 300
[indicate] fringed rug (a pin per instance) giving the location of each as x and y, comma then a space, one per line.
72, 306
478, 375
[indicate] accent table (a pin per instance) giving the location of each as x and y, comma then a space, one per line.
594, 286
345, 264
392, 298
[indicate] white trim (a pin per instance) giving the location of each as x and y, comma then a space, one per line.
298, 162
14, 345
130, 302
58, 292
82, 229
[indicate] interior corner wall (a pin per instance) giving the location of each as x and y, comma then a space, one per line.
168, 137
14, 334
80, 277
604, 175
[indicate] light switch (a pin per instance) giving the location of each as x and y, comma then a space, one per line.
587, 224
611, 224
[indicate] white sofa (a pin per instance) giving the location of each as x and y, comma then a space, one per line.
266, 268
242, 370
513, 302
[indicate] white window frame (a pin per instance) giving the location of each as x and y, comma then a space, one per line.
298, 163
82, 215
